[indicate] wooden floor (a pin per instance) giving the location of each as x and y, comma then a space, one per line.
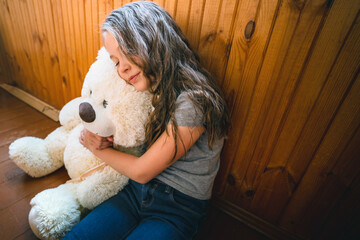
17, 189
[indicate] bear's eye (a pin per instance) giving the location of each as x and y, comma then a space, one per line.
105, 103
90, 92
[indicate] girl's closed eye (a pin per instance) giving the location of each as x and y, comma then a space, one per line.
117, 64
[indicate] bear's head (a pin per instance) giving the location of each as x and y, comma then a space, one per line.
112, 107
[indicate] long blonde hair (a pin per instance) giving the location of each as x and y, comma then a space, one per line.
145, 30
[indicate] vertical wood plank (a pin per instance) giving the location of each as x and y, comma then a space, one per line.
343, 223
102, 15
246, 12
209, 30
75, 46
170, 6
7, 64
95, 25
8, 25
245, 61
338, 182
283, 62
161, 3
76, 27
263, 91
41, 37
182, 14
216, 36
53, 54
8, 47
48, 51
195, 23
328, 155
89, 32
105, 7
38, 40
35, 40
62, 56
117, 3
109, 8
84, 47
69, 46
325, 52
26, 51
326, 106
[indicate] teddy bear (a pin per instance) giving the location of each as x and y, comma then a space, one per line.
108, 106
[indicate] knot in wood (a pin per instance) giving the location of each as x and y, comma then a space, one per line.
249, 29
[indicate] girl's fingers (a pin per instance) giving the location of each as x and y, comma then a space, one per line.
105, 144
94, 141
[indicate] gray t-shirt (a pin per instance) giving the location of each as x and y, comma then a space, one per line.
193, 173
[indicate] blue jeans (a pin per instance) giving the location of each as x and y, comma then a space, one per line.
143, 211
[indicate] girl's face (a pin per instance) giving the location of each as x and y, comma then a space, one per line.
125, 68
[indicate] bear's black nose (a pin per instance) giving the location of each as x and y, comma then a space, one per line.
87, 112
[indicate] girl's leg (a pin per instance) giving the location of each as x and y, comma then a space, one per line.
167, 214
113, 219
155, 229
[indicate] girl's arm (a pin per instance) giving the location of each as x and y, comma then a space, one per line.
157, 158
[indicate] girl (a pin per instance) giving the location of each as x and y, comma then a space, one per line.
172, 181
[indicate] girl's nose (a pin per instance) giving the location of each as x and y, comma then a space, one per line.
123, 67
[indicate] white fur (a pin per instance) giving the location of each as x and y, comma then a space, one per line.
56, 207
99, 187
55, 211
69, 114
38, 157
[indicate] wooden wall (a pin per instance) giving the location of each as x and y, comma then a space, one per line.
290, 72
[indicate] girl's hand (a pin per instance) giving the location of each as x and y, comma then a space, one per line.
94, 142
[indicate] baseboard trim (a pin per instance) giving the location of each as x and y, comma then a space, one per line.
269, 230
34, 102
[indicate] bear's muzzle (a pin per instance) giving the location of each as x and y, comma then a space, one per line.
87, 112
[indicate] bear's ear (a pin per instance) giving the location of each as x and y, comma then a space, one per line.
85, 91
103, 54
69, 114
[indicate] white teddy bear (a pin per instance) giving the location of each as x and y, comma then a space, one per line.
108, 106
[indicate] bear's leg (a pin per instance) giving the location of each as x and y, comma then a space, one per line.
39, 157
99, 187
54, 212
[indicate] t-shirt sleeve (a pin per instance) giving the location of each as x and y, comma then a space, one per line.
186, 113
